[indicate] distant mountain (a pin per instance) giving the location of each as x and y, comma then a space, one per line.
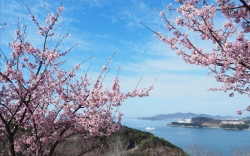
246, 118
184, 115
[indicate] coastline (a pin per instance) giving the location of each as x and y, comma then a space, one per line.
235, 129
212, 137
204, 122
210, 127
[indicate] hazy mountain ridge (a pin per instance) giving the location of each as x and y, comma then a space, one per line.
246, 118
185, 115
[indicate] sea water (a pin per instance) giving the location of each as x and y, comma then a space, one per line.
213, 138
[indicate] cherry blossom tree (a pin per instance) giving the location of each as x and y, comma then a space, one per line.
229, 57
42, 104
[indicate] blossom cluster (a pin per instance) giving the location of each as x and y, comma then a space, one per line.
229, 58
42, 104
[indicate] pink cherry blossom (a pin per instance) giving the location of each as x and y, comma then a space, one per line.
104, 68
43, 104
229, 56
248, 108
239, 112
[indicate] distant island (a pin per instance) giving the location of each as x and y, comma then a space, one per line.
200, 122
203, 120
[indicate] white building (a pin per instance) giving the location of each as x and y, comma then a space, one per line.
188, 120
185, 120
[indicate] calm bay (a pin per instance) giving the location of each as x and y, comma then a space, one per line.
214, 138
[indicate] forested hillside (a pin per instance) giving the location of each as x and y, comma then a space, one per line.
126, 142
200, 120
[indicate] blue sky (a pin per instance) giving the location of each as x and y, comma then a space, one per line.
104, 27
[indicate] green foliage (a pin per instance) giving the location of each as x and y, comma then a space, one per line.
231, 126
133, 135
146, 143
200, 120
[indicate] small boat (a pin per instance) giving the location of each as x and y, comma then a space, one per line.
150, 128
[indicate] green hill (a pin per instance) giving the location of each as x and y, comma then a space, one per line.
200, 120
236, 127
147, 144
126, 142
